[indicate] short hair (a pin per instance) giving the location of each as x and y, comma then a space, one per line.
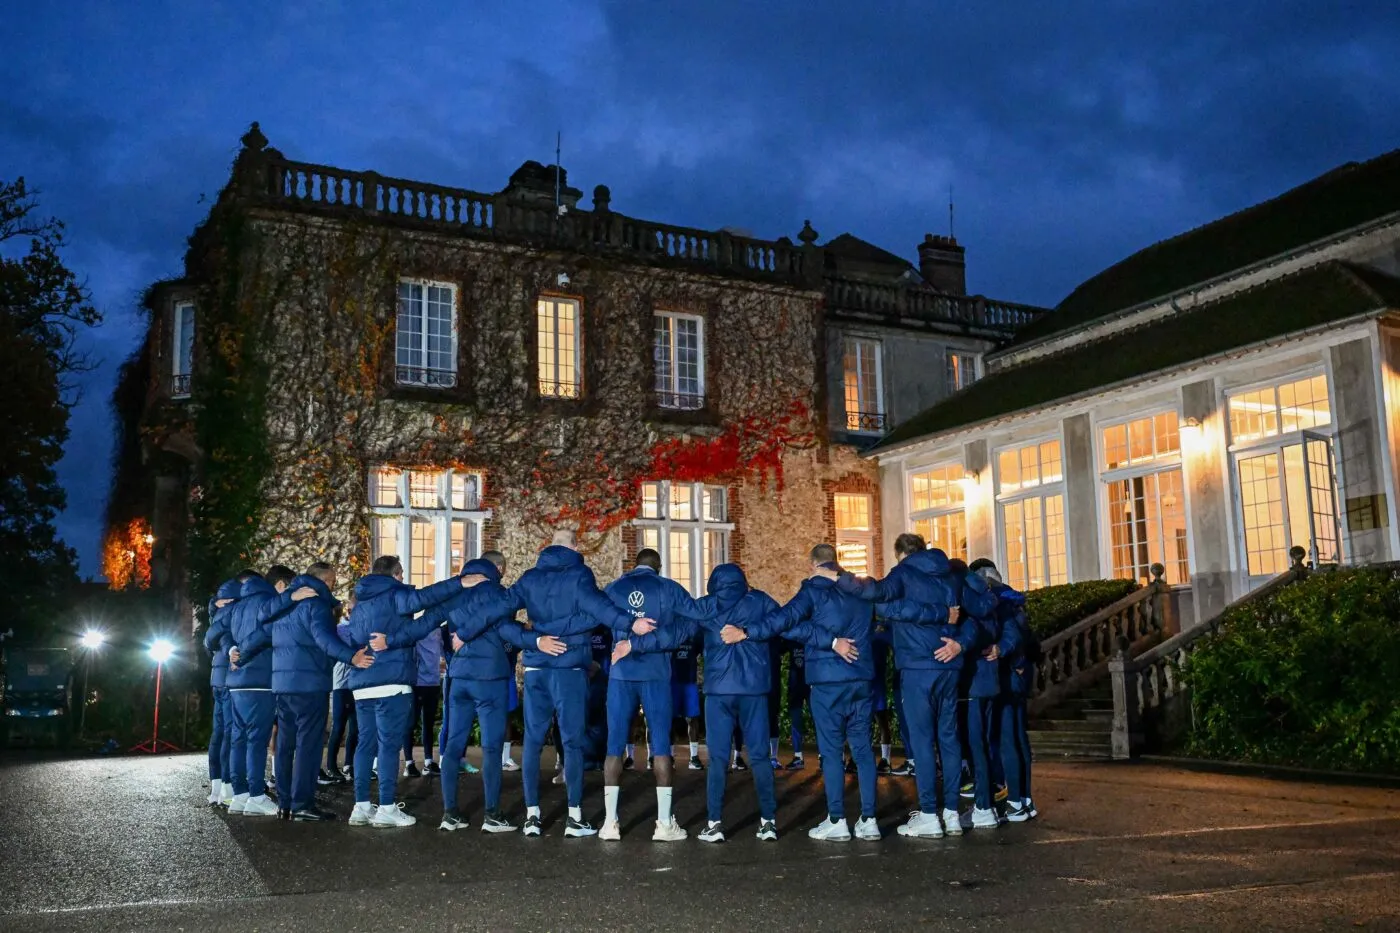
280, 573
248, 573
980, 564
495, 557
957, 565
565, 537
823, 554
387, 565
909, 543
648, 557
320, 570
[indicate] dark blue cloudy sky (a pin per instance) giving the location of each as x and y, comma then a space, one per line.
1072, 132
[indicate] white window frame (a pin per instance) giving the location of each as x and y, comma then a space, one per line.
974, 365
558, 388
1159, 464
441, 518
854, 536
918, 515
697, 527
180, 380
670, 396
856, 422
423, 375
1041, 491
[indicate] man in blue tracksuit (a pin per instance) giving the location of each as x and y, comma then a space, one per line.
1016, 651
834, 627
982, 678
383, 619
685, 699
217, 642
482, 625
427, 696
305, 647
564, 605
261, 602
644, 677
798, 697
916, 598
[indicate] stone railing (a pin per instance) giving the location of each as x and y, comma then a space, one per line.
1079, 656
1148, 690
918, 303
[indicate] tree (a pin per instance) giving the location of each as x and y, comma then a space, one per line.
43, 307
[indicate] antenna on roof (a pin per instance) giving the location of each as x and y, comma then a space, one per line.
558, 146
950, 213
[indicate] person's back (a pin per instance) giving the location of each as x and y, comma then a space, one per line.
561, 599
476, 617
386, 606
848, 617
643, 593
258, 605
743, 668
303, 653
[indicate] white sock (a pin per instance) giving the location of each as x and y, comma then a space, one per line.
215, 786
576, 814
631, 750
797, 754
772, 748
694, 749
884, 751
663, 805
610, 803
427, 761
505, 753
532, 811
734, 756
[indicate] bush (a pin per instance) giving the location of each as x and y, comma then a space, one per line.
1053, 609
1305, 677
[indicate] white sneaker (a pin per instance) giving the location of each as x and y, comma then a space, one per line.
868, 830
922, 826
362, 815
237, 802
260, 805
226, 795
1030, 808
830, 831
711, 833
984, 819
559, 778
952, 823
216, 792
391, 816
767, 831
509, 765
1017, 811
611, 831
670, 831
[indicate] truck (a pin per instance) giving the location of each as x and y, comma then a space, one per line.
38, 694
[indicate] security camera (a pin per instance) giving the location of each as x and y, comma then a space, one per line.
563, 279
563, 209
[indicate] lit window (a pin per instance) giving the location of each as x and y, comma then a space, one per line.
1028, 467
936, 508
1032, 508
182, 346
1282, 409
426, 338
865, 407
437, 531
679, 357
558, 348
1288, 498
687, 524
1146, 499
855, 533
962, 370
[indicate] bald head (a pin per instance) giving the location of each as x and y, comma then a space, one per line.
565, 537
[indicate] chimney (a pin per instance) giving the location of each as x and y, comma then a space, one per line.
942, 265
535, 182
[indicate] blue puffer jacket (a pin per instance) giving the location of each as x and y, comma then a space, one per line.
250, 625
216, 636
484, 618
562, 599
742, 669
428, 656
305, 646
1016, 644
383, 604
818, 614
644, 594
914, 599
981, 678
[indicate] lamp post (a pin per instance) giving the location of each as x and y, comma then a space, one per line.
160, 651
92, 640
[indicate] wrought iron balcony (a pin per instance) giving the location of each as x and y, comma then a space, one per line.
423, 376
564, 390
180, 386
866, 422
680, 401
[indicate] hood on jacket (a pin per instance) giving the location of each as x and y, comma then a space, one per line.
374, 584
556, 557
727, 585
483, 567
257, 586
229, 589
977, 597
317, 584
1006, 594
930, 560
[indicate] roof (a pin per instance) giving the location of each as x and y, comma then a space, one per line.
1315, 297
848, 246
1346, 197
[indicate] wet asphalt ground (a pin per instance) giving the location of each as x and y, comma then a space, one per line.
128, 844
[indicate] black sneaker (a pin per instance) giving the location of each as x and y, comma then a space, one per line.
532, 826
696, 765
314, 815
904, 770
851, 766
411, 770
797, 763
651, 763
431, 768
495, 822
325, 779
882, 766
451, 822
628, 764
284, 814
578, 829
740, 764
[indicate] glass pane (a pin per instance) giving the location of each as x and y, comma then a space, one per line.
661, 355
465, 496
1173, 556
384, 490
852, 512
714, 505
386, 536
1115, 446
438, 322
422, 548
1014, 534
947, 532
651, 500
1253, 415
1304, 404
1295, 486
716, 553
681, 502
464, 544
1009, 468
1050, 468
409, 336
558, 348
649, 537
1322, 500
423, 489
1034, 514
1166, 433
184, 349
939, 488
1057, 559
1140, 440
853, 554
1030, 466
1261, 503
678, 559
687, 330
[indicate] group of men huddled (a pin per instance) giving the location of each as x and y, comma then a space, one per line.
956, 632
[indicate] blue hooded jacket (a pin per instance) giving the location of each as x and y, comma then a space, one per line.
383, 604
818, 614
645, 594
981, 678
1016, 643
428, 655
484, 618
250, 626
562, 599
305, 646
217, 637
914, 600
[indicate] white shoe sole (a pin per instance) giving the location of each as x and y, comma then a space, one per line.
718, 837
845, 838
361, 820
485, 828
578, 834
395, 825
670, 838
609, 837
453, 827
925, 834
868, 837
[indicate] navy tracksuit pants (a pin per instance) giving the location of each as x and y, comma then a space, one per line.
253, 715
841, 714
750, 713
552, 693
381, 723
1015, 747
980, 720
301, 736
343, 730
219, 735
931, 708
469, 701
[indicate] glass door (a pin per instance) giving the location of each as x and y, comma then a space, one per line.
1288, 497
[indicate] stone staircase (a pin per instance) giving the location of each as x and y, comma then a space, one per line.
1078, 727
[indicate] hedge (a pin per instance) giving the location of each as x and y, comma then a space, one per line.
1305, 677
1053, 609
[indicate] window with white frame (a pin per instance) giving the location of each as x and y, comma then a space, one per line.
855, 532
937, 510
864, 394
1031, 504
688, 525
430, 519
679, 356
1146, 501
962, 370
558, 348
182, 349
425, 340
1281, 444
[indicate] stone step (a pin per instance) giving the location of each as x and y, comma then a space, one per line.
1071, 754
1071, 743
1077, 726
